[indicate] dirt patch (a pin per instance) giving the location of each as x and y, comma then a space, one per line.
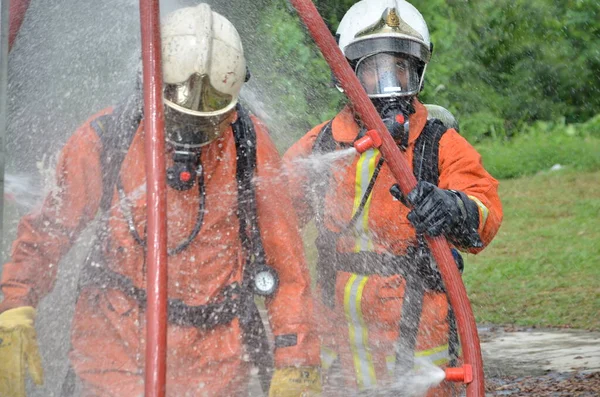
573, 384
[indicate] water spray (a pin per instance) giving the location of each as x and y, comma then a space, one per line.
11, 18
406, 180
4, 49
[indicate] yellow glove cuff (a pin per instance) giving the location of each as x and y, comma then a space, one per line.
18, 317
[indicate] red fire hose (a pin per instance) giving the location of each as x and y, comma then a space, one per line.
156, 199
401, 171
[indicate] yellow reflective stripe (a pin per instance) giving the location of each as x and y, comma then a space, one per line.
365, 167
441, 361
328, 356
429, 352
482, 209
357, 331
365, 335
438, 355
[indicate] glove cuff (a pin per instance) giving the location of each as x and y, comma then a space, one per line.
464, 234
17, 317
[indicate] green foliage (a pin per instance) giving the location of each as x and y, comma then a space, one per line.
514, 61
297, 79
498, 65
540, 146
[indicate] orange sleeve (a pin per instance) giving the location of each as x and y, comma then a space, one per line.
290, 309
297, 177
461, 169
45, 235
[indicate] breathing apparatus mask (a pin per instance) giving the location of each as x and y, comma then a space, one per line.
186, 133
394, 113
391, 81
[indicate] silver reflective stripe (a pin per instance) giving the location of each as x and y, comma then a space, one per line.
358, 334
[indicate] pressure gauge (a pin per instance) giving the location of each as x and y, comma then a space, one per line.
266, 281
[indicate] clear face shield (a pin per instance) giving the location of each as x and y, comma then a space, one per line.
385, 75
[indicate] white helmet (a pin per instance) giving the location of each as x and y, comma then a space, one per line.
203, 69
386, 41
203, 61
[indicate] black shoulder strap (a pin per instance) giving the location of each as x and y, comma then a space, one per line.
245, 144
116, 131
426, 151
325, 142
254, 333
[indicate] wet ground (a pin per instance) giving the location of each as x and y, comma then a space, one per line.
518, 362
541, 362
537, 362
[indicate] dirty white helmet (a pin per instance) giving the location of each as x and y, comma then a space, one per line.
203, 61
387, 42
203, 70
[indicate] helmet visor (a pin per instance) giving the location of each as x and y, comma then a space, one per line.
387, 74
197, 94
184, 131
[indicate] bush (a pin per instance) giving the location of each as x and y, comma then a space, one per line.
542, 145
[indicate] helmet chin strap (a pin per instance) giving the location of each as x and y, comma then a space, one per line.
395, 112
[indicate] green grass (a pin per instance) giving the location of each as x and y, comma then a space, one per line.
543, 268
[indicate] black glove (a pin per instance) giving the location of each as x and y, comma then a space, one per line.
438, 211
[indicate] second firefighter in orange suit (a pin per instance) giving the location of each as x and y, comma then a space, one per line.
372, 251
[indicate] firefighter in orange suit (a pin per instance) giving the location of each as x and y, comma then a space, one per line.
382, 304
204, 69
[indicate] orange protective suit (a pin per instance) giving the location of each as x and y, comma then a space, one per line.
361, 330
108, 330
